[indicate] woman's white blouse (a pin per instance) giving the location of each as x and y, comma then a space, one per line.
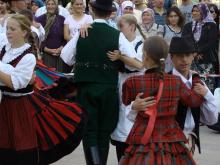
22, 73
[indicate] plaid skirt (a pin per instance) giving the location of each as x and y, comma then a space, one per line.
163, 153
54, 128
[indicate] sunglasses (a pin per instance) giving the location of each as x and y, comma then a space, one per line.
212, 11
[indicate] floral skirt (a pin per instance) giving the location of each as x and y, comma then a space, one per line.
204, 69
157, 154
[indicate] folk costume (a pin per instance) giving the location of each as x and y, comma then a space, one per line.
190, 118
97, 79
34, 127
124, 125
165, 144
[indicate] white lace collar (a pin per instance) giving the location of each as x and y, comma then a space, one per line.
13, 53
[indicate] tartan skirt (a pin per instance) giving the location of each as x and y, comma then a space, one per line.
163, 153
40, 122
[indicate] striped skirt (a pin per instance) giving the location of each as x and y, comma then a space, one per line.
157, 154
54, 128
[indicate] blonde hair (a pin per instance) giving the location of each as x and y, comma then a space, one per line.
25, 24
130, 19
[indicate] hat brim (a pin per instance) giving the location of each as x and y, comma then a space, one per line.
102, 7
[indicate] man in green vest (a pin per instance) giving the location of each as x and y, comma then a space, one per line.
97, 78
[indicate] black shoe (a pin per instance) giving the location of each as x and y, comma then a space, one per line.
92, 155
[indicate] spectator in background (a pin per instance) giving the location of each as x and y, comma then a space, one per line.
36, 28
21, 5
75, 21
167, 3
62, 11
173, 28
215, 13
160, 12
3, 22
202, 31
36, 4
186, 9
148, 25
140, 4
17, 5
112, 21
128, 7
53, 43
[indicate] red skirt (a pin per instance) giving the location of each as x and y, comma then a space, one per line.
38, 121
162, 153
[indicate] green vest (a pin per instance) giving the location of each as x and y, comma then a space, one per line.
92, 63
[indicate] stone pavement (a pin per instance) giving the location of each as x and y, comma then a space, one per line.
210, 143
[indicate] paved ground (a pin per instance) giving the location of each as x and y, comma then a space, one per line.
210, 142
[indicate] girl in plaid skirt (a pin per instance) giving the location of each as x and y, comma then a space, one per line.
156, 138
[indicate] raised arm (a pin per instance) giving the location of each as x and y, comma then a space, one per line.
188, 96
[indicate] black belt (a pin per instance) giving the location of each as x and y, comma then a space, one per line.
28, 89
94, 65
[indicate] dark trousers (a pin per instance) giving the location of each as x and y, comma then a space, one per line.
120, 148
101, 103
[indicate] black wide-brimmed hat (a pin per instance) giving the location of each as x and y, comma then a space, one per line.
179, 45
105, 5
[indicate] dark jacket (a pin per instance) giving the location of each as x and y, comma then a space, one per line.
208, 42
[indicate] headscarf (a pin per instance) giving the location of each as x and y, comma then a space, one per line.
127, 4
39, 3
206, 17
50, 18
148, 26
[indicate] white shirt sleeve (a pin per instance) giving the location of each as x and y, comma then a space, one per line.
126, 48
69, 51
209, 111
130, 114
22, 73
41, 33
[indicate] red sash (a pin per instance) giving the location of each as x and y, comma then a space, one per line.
151, 112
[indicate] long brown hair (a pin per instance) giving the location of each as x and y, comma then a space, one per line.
25, 24
176, 10
157, 49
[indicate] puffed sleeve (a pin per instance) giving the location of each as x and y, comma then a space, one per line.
22, 73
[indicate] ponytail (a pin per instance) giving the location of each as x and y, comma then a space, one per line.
34, 47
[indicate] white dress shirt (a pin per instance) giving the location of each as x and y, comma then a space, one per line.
125, 47
209, 112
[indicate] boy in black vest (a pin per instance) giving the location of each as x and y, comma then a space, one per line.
96, 76
182, 55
